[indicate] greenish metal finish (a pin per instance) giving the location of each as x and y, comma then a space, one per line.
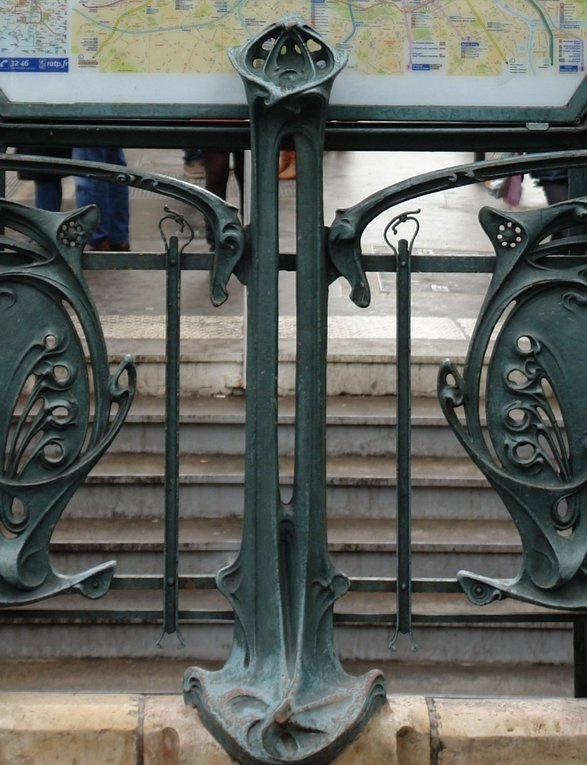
282, 696
172, 348
536, 409
49, 439
223, 218
403, 254
340, 135
344, 240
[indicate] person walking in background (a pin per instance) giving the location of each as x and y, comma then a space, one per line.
112, 199
217, 164
48, 188
193, 164
555, 184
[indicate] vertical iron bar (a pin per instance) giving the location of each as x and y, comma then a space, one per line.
3, 148
171, 545
403, 448
580, 658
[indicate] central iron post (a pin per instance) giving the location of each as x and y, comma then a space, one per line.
283, 696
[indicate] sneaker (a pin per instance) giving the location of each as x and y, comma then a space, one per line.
194, 169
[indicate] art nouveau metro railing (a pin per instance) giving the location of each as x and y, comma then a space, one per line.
282, 695
174, 262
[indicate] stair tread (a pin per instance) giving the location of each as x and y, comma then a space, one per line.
344, 534
341, 470
340, 410
165, 675
431, 604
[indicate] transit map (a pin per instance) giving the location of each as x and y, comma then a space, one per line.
414, 44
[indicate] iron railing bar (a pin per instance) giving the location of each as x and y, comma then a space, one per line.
383, 584
80, 616
208, 582
144, 616
341, 134
465, 264
357, 584
147, 261
172, 341
403, 462
580, 658
155, 582
202, 261
474, 618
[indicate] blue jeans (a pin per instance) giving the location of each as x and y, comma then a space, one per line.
48, 194
111, 198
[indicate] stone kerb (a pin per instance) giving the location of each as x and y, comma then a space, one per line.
117, 729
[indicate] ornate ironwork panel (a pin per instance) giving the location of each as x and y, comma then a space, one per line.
57, 414
531, 335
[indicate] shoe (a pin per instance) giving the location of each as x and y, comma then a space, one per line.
287, 165
102, 246
194, 169
120, 247
284, 160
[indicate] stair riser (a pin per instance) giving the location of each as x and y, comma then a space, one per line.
355, 564
212, 642
206, 500
208, 377
229, 439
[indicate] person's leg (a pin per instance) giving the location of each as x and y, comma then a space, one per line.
217, 164
190, 155
48, 194
239, 174
193, 164
555, 191
91, 192
119, 209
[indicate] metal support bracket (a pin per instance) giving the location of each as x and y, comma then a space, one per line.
283, 696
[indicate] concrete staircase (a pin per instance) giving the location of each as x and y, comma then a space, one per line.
459, 522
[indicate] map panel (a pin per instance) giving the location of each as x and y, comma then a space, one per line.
510, 52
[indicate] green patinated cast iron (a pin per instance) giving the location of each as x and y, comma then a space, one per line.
221, 216
534, 452
282, 696
344, 237
56, 420
50, 436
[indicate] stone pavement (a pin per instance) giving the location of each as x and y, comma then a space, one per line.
132, 304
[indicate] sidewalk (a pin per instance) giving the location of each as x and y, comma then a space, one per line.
132, 304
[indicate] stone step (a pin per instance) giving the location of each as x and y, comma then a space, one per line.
364, 425
216, 366
131, 485
80, 630
157, 675
359, 547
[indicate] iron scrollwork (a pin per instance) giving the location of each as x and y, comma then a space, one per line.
57, 414
535, 450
